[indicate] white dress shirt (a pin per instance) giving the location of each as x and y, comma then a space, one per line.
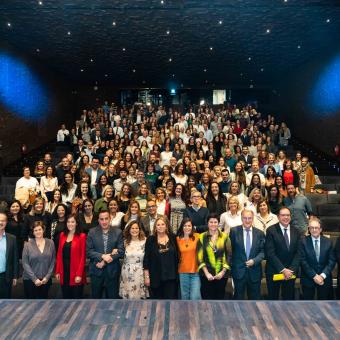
283, 231
245, 237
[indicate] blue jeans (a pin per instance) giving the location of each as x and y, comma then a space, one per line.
190, 286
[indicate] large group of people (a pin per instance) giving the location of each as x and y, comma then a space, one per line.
150, 203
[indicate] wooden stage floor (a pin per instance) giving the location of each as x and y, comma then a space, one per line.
121, 319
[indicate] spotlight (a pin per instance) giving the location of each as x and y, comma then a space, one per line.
328, 20
167, 32
81, 70
202, 102
205, 70
134, 70
162, 2
38, 50
40, 3
114, 23
123, 49
68, 33
91, 60
249, 58
268, 30
173, 92
211, 48
299, 46
9, 24
220, 22
170, 59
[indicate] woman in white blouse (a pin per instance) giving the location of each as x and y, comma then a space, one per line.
232, 217
165, 156
68, 189
115, 214
48, 184
264, 218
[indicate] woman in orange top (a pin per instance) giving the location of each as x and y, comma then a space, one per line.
189, 279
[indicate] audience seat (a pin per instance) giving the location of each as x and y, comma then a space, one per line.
330, 179
330, 224
316, 199
333, 199
327, 187
328, 210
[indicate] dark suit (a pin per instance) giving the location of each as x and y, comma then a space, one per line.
247, 160
246, 278
278, 257
108, 276
337, 255
99, 173
145, 224
12, 267
311, 266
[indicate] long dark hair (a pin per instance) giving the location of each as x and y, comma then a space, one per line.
180, 232
127, 235
20, 213
78, 227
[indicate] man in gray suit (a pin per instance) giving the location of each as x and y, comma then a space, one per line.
104, 248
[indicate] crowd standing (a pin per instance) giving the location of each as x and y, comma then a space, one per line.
164, 204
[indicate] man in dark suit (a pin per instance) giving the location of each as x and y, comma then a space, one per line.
247, 245
282, 255
9, 262
246, 157
337, 256
148, 221
104, 248
317, 263
94, 171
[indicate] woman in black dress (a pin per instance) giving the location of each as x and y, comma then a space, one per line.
161, 262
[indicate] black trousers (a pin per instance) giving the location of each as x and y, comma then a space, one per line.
213, 290
5, 287
33, 292
244, 285
104, 284
166, 290
323, 292
72, 292
287, 289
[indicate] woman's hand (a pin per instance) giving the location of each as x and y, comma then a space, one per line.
44, 281
220, 275
37, 282
57, 276
77, 279
209, 276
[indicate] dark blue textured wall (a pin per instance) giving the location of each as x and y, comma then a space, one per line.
22, 91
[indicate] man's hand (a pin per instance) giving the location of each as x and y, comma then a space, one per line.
107, 258
57, 276
44, 281
77, 279
100, 264
287, 273
114, 252
14, 282
318, 279
250, 263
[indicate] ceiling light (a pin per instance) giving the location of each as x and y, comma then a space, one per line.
262, 69
241, 74
251, 86
40, 3
68, 33
328, 20
162, 2
202, 102
38, 50
173, 75
91, 60
114, 23
220, 22
167, 32
249, 58
134, 70
205, 70
285, 0
9, 24
123, 49
106, 75
170, 59
81, 70
299, 46
268, 30
211, 48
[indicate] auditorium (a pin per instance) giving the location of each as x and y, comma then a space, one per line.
169, 169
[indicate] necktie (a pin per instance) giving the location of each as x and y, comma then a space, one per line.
286, 237
317, 249
248, 243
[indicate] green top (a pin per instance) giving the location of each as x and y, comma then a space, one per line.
213, 256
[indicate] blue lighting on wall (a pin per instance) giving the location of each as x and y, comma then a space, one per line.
325, 95
21, 91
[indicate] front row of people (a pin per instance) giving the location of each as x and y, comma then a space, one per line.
129, 265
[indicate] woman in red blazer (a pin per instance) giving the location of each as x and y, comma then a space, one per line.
71, 257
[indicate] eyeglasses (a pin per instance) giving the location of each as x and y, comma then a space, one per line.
151, 206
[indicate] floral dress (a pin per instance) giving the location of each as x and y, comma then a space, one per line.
132, 277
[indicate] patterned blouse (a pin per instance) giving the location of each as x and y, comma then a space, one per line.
213, 256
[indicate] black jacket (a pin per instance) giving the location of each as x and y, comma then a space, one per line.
152, 259
12, 260
278, 256
309, 264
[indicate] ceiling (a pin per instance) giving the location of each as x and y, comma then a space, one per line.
188, 43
